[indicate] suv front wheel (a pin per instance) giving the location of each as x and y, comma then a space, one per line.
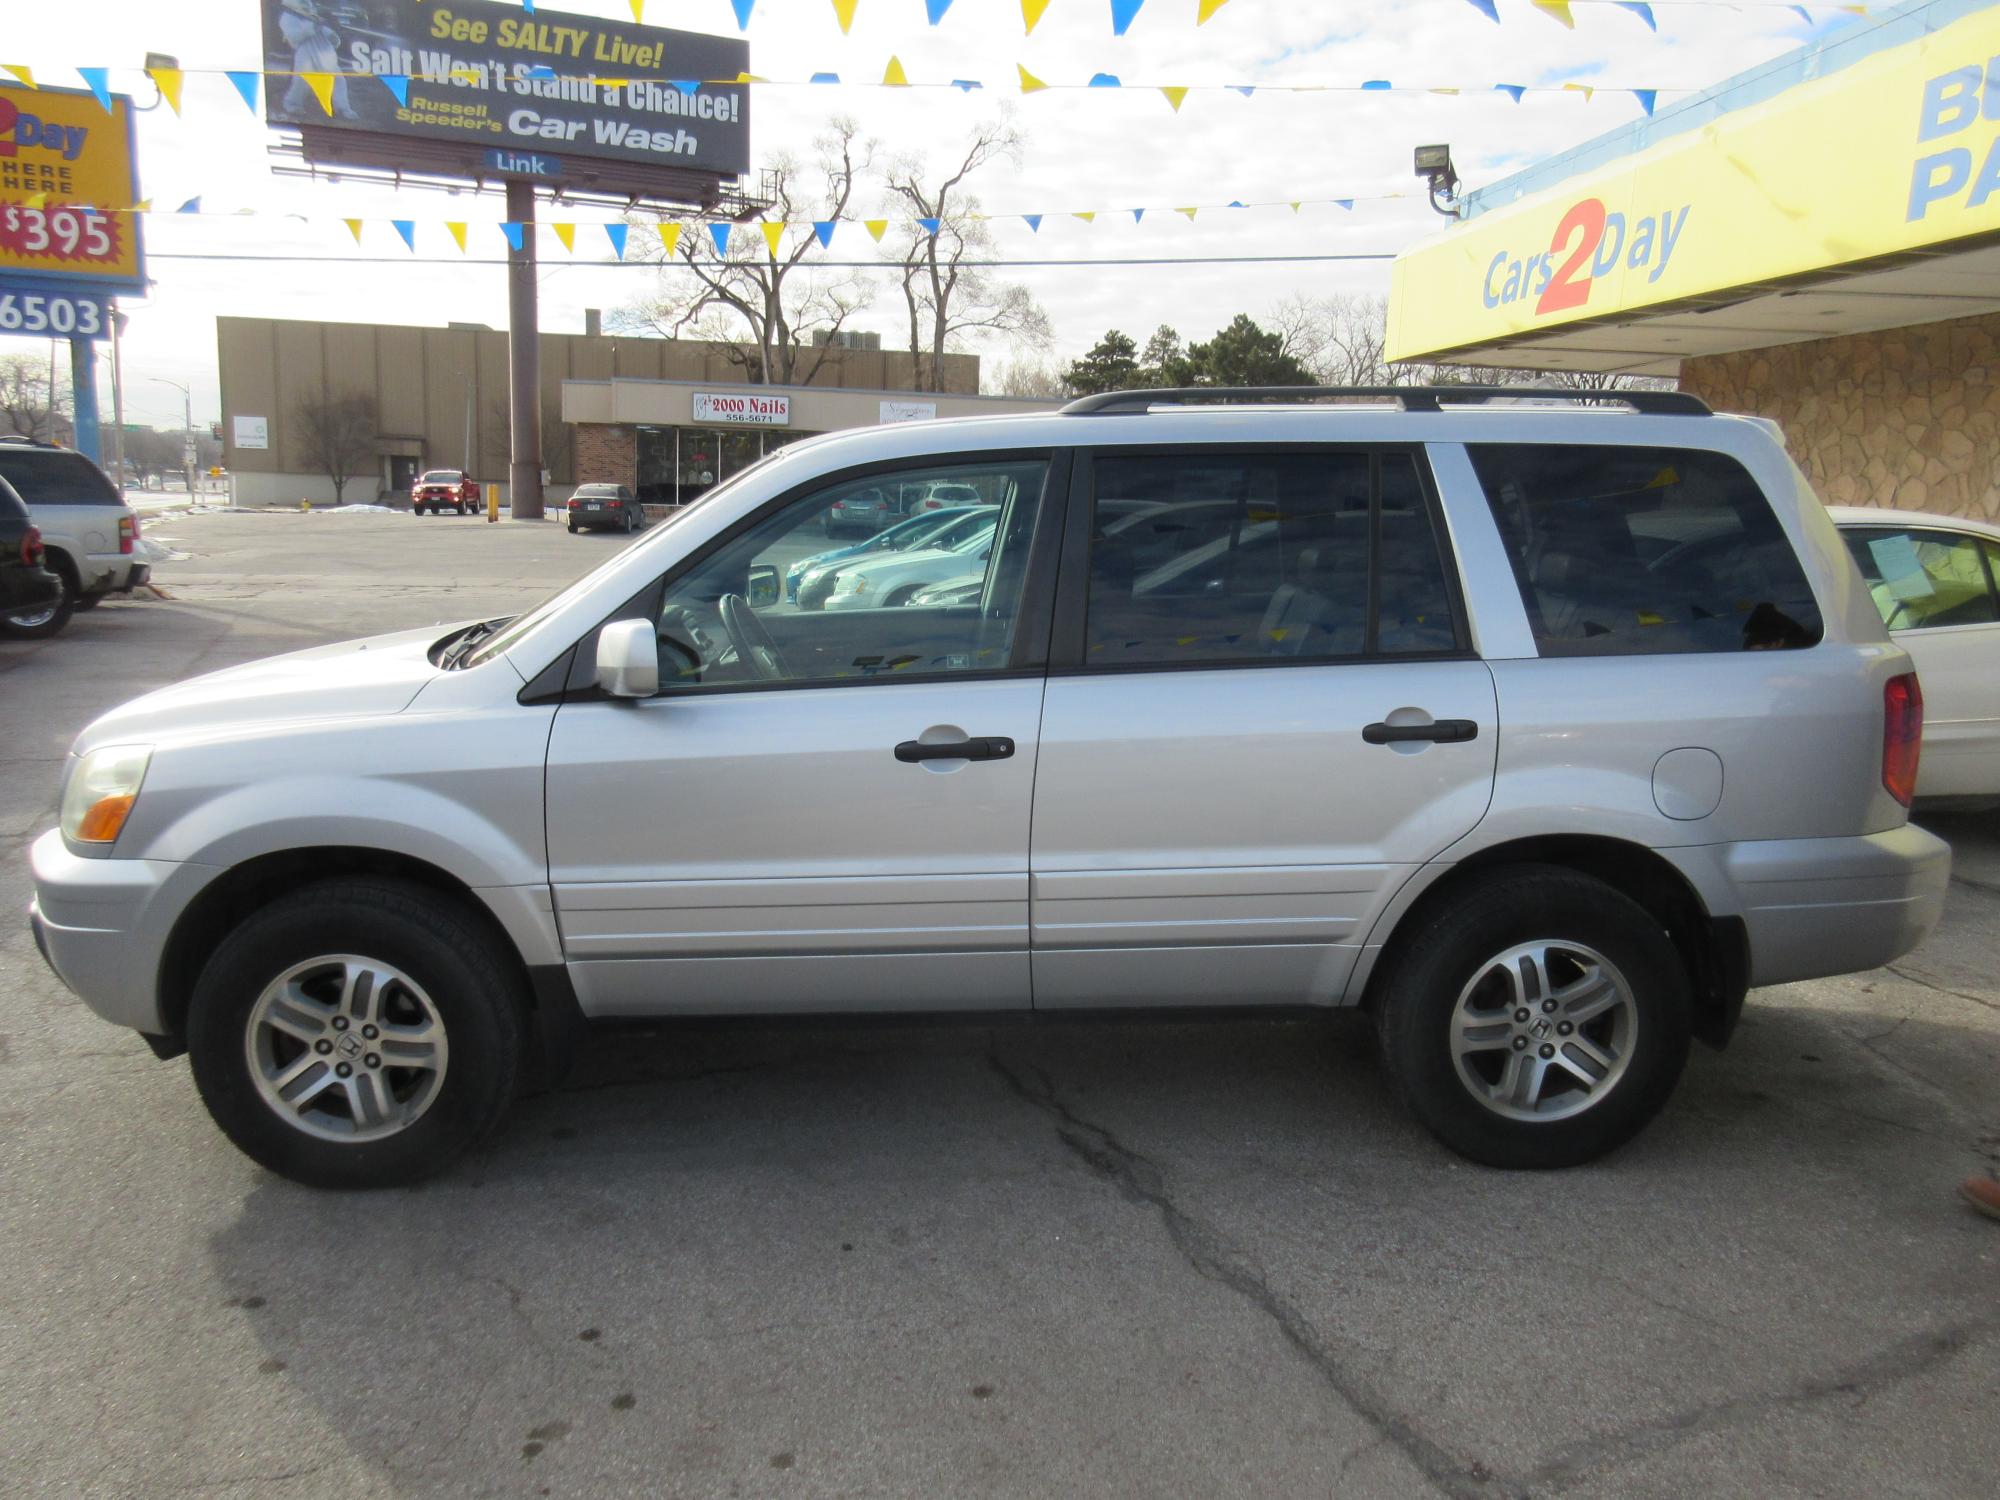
1539, 1020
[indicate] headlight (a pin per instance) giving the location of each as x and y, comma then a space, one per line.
101, 792
854, 583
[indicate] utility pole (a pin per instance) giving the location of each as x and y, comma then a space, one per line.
524, 360
117, 400
187, 438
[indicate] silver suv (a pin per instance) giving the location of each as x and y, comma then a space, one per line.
90, 535
1448, 709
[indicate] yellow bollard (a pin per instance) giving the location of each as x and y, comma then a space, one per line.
492, 503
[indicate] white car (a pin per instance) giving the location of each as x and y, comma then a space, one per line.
892, 580
1936, 582
90, 534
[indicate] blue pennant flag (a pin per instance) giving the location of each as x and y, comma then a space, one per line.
99, 80
1346, 203
514, 233
743, 9
616, 233
935, 9
1104, 81
1377, 83
1245, 89
1237, 203
1033, 221
1646, 98
823, 231
192, 206
931, 226
826, 78
686, 85
1640, 9
539, 70
399, 85
720, 234
1513, 91
246, 85
407, 228
1122, 12
1138, 214
528, 6
1487, 9
967, 85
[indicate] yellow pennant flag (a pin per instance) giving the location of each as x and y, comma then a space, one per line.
1089, 217
322, 86
1298, 204
876, 228
774, 234
893, 76
21, 71
1207, 8
1174, 95
1556, 10
844, 11
168, 82
567, 234
457, 228
1580, 88
143, 206
638, 12
353, 228
1189, 212
670, 238
1029, 82
1444, 91
36, 200
1031, 11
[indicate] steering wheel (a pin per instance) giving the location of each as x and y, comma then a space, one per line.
752, 641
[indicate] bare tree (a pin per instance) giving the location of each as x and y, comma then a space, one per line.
768, 290
948, 296
1027, 377
27, 406
336, 435
558, 441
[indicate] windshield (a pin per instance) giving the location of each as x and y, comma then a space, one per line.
440, 476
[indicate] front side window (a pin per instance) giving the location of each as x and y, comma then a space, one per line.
1624, 551
1922, 579
1224, 558
782, 602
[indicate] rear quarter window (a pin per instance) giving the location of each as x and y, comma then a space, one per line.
45, 476
1626, 551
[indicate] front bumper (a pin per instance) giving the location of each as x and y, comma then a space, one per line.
102, 925
1816, 907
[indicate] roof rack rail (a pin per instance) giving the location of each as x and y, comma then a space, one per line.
1413, 397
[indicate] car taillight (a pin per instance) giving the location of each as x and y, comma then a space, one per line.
31, 547
128, 534
1902, 735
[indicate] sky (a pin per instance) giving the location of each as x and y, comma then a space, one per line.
1085, 149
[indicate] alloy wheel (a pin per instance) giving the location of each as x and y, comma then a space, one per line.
1544, 1030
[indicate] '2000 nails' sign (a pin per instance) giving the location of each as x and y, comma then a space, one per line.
1588, 244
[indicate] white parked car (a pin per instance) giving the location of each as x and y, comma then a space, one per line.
1936, 582
888, 581
89, 534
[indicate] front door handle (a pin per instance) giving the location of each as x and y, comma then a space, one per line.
1443, 731
985, 747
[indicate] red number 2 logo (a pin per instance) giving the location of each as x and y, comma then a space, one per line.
1586, 218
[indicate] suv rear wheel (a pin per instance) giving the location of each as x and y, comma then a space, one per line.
40, 624
1539, 1020
357, 1033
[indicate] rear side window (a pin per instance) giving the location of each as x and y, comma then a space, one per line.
1923, 579
1645, 551
56, 477
1216, 559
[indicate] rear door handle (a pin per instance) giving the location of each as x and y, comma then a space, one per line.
984, 747
1443, 731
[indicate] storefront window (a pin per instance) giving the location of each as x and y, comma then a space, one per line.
678, 465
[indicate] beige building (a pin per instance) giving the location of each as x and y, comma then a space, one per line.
440, 399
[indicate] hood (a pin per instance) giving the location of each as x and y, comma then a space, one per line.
378, 675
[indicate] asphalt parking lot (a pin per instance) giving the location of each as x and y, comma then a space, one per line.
1128, 1259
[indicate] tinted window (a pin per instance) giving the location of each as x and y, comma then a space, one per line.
11, 508
45, 476
1642, 551
1199, 558
1923, 580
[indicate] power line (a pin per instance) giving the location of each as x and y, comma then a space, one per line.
838, 265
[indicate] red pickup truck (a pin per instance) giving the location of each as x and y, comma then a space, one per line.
437, 488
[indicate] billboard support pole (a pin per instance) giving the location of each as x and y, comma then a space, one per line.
83, 398
524, 364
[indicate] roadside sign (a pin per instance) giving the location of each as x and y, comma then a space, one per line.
67, 184
32, 307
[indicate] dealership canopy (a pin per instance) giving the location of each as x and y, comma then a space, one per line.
1849, 186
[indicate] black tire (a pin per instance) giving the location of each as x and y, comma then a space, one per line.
459, 508
479, 998
65, 606
1434, 964
572, 527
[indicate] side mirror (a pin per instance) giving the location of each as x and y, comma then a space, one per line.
628, 659
763, 585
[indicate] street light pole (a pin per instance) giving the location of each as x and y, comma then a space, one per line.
187, 437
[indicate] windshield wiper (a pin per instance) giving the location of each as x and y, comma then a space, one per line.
459, 649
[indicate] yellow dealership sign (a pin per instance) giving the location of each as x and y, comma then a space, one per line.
1898, 150
66, 187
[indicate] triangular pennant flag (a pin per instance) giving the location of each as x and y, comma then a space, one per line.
99, 80
1190, 212
246, 85
168, 82
25, 73
1297, 204
616, 234
37, 200
1640, 9
1033, 221
322, 86
744, 78
407, 228
688, 86
1556, 10
824, 78
516, 234
192, 206
670, 237
1122, 12
1245, 89
966, 85
1207, 8
823, 232
1346, 203
931, 226
638, 11
1377, 83
1031, 12
1237, 203
1030, 84
1580, 88
1855, 10
774, 235
353, 228
567, 234
457, 229
1513, 91
1175, 94
1104, 80
145, 206
1487, 9
1444, 91
1138, 214
399, 85
876, 228
893, 76
1646, 98
720, 234
742, 9
1089, 217
935, 9
843, 11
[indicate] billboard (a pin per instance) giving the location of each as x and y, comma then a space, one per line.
489, 76
66, 181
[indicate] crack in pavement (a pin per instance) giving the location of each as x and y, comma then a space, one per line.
1141, 1181
1942, 989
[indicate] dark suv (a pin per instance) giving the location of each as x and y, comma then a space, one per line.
26, 586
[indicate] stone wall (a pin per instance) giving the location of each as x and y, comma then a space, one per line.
1908, 418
